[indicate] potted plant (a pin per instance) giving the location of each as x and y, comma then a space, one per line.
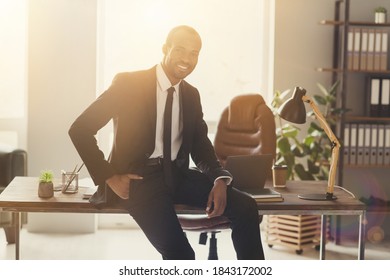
46, 188
380, 14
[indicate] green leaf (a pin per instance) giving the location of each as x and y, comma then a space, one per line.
297, 151
302, 173
313, 168
290, 132
319, 99
308, 140
333, 88
46, 176
323, 90
283, 145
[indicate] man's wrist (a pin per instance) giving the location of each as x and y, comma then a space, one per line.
226, 179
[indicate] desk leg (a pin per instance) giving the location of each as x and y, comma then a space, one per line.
16, 220
362, 235
323, 237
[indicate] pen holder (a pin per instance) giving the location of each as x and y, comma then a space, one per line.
70, 182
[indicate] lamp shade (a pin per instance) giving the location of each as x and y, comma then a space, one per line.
293, 110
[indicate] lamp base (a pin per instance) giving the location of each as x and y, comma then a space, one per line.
317, 196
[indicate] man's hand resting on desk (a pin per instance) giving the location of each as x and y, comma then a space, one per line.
121, 184
217, 199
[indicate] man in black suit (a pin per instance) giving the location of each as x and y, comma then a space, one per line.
137, 176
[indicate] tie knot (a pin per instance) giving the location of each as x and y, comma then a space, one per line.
171, 90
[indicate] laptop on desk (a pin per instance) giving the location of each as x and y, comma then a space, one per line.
250, 174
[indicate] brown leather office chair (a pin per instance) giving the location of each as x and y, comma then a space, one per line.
12, 163
246, 126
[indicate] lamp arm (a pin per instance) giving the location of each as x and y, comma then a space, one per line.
334, 143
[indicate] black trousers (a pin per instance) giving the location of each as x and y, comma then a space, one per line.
151, 204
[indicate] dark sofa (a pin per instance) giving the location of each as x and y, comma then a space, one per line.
13, 162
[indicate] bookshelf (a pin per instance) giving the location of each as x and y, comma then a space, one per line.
353, 41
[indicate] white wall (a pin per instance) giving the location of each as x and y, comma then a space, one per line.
62, 78
62, 82
301, 44
13, 73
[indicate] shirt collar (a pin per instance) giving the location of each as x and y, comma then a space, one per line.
163, 81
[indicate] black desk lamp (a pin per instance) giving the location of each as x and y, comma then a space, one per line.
293, 110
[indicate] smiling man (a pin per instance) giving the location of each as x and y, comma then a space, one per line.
148, 170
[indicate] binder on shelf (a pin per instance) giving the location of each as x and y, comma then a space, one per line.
386, 160
377, 49
356, 49
383, 53
374, 97
370, 49
364, 49
352, 144
350, 49
385, 98
374, 144
367, 144
381, 144
360, 144
346, 143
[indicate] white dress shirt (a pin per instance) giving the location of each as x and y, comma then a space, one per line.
163, 84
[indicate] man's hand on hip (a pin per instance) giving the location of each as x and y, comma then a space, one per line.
120, 184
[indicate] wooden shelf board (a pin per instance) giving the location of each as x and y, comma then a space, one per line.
325, 69
366, 119
363, 166
355, 23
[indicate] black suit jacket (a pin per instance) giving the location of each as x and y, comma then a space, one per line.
131, 103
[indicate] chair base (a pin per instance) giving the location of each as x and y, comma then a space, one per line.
213, 255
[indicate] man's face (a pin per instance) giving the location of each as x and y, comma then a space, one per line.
181, 57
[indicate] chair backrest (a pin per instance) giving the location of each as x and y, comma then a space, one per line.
246, 126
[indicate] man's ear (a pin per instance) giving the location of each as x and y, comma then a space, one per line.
165, 49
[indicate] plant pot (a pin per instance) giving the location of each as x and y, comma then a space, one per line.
45, 190
380, 17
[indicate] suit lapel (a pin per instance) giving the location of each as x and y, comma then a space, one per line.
149, 85
150, 97
185, 112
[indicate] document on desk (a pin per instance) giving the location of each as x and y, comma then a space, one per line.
266, 195
89, 186
89, 192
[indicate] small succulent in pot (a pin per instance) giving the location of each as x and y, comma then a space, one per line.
380, 10
46, 188
380, 14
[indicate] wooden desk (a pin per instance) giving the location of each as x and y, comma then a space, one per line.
21, 195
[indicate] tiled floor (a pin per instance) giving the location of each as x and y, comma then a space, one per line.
127, 243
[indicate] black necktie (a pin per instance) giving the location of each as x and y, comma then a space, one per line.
167, 161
